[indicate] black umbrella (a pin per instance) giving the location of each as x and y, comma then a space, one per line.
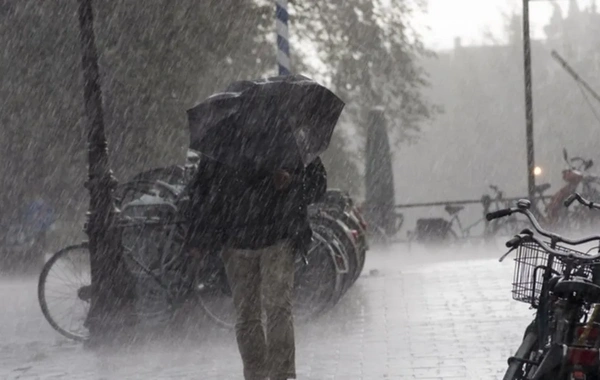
275, 122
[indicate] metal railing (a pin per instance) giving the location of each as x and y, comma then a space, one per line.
485, 201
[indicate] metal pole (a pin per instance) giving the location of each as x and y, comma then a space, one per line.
572, 72
528, 102
283, 44
104, 247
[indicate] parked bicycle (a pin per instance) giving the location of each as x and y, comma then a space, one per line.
550, 211
337, 210
438, 231
505, 227
152, 237
562, 342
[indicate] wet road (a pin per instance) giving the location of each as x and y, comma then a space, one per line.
412, 315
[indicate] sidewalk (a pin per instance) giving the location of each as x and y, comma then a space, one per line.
407, 317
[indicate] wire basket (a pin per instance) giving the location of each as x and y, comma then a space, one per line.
531, 262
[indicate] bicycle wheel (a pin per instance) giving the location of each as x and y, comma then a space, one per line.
329, 228
152, 255
359, 235
67, 277
518, 370
341, 259
361, 243
344, 236
316, 283
214, 296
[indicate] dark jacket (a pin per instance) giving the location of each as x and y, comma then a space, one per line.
242, 208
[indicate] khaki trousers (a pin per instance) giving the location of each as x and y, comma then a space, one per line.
263, 280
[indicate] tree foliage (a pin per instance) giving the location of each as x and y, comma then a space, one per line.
160, 57
372, 56
157, 60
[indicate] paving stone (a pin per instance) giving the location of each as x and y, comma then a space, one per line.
425, 315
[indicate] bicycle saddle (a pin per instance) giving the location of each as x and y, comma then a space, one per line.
585, 289
453, 209
543, 187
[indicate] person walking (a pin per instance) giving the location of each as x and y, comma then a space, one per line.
260, 222
260, 143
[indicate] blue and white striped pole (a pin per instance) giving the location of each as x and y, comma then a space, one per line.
283, 42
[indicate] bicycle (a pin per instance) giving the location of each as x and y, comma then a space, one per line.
152, 248
337, 211
438, 231
550, 211
561, 343
507, 226
581, 218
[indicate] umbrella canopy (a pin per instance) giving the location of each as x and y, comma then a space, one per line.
270, 123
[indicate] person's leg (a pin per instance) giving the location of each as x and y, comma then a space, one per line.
243, 273
277, 272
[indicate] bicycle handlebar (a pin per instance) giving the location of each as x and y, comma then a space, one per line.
576, 197
514, 242
523, 208
570, 199
498, 214
526, 238
586, 163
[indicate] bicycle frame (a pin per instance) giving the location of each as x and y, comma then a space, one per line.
456, 219
465, 232
543, 309
167, 250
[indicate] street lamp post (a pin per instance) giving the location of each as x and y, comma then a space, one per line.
106, 267
528, 101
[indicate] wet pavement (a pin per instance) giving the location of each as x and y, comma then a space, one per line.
412, 315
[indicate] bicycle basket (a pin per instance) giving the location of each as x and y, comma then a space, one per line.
531, 262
